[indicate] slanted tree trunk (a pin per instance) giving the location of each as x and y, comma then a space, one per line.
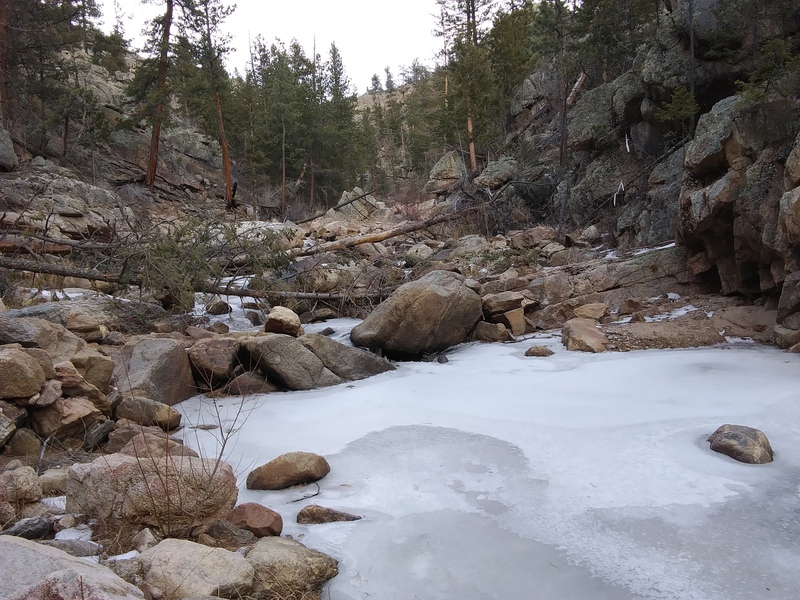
152, 163
473, 159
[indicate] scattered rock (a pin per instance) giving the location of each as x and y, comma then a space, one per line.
20, 486
80, 548
218, 307
66, 417
742, 443
148, 412
258, 519
32, 528
247, 384
199, 334
22, 375
144, 539
24, 443
35, 571
594, 311
347, 362
491, 332
288, 469
183, 569
218, 327
215, 360
287, 569
54, 481
224, 534
283, 320
582, 335
494, 304
285, 359
156, 368
144, 492
540, 351
315, 514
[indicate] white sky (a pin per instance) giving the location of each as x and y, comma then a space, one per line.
370, 34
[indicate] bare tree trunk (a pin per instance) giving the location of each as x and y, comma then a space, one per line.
152, 163
473, 159
226, 159
313, 182
5, 109
283, 167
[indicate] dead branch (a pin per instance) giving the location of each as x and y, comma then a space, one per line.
371, 238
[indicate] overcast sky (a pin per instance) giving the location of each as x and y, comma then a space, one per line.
370, 34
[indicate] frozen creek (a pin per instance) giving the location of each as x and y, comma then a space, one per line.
573, 477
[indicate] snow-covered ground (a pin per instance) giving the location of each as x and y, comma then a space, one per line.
573, 477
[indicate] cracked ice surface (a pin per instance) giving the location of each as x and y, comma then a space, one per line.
573, 477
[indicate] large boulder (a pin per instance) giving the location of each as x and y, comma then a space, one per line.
60, 344
345, 361
65, 418
146, 411
583, 335
172, 494
23, 376
32, 571
287, 360
706, 151
214, 360
287, 569
156, 368
184, 569
20, 486
742, 443
428, 315
258, 519
447, 171
497, 173
8, 158
292, 468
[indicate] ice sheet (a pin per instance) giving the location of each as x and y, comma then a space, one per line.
576, 476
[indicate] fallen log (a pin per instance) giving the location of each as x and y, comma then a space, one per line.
21, 264
371, 238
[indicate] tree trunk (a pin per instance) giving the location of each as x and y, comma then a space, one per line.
473, 159
226, 159
283, 167
5, 109
152, 163
313, 191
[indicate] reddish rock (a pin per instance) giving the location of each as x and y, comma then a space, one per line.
258, 519
314, 514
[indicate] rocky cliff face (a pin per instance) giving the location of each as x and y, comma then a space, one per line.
729, 194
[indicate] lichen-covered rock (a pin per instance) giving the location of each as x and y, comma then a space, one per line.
447, 171
288, 469
742, 443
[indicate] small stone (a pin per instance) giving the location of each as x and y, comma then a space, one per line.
54, 481
33, 528
258, 519
218, 327
540, 351
630, 306
227, 535
218, 307
24, 442
80, 548
283, 320
144, 539
328, 331
742, 443
198, 334
315, 514
442, 359
256, 318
